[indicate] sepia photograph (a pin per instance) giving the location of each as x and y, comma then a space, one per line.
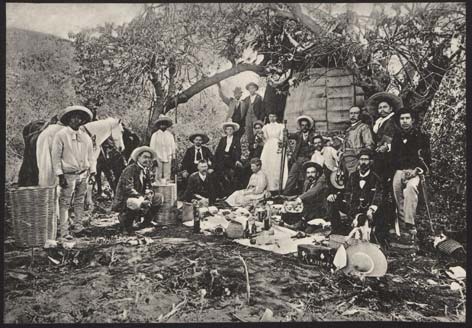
235, 163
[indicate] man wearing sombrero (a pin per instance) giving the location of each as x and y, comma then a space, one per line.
134, 197
195, 153
314, 191
234, 105
74, 163
253, 109
228, 160
163, 143
303, 150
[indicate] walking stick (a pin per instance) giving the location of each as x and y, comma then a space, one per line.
424, 192
283, 156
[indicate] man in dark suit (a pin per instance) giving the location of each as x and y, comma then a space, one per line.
304, 148
234, 108
228, 161
200, 185
195, 154
314, 191
363, 194
252, 110
134, 197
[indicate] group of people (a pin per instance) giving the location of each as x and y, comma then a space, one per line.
380, 165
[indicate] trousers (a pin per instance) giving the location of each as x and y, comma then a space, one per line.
406, 196
293, 180
77, 186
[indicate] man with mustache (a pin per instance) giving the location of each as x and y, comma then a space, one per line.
358, 137
200, 185
363, 195
234, 104
407, 164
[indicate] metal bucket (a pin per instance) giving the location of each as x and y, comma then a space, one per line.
187, 212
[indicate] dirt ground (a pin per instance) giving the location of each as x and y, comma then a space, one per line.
174, 275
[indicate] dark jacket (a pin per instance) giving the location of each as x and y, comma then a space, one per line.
189, 157
232, 157
386, 131
309, 149
205, 188
314, 198
258, 107
384, 135
129, 185
405, 154
361, 198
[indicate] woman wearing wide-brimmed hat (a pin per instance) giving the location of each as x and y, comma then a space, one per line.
253, 109
228, 160
73, 162
163, 143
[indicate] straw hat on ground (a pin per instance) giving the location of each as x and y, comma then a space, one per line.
67, 111
365, 259
199, 134
138, 151
306, 118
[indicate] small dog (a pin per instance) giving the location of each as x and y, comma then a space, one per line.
361, 229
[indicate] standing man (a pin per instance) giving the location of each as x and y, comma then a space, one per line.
163, 144
358, 136
303, 150
200, 185
196, 153
134, 197
411, 155
235, 111
74, 163
253, 109
363, 196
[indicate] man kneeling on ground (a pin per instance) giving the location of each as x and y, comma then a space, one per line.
134, 197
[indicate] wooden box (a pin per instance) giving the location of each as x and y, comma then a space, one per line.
317, 255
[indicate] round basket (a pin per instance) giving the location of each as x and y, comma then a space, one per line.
33, 213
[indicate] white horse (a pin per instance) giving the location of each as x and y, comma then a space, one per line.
99, 130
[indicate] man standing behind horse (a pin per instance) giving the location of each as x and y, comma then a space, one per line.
163, 143
74, 163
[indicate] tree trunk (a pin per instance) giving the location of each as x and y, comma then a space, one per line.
204, 83
157, 106
275, 102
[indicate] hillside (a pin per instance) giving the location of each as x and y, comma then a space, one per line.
39, 81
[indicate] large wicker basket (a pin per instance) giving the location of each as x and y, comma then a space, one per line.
33, 213
166, 213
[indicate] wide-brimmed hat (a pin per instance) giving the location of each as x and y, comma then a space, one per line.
164, 119
199, 134
335, 180
68, 110
305, 117
373, 102
365, 151
234, 125
365, 259
317, 166
138, 151
252, 83
257, 122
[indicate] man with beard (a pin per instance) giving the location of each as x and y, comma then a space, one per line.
314, 191
324, 155
74, 164
358, 136
163, 143
411, 156
303, 150
195, 154
234, 105
200, 185
134, 197
364, 196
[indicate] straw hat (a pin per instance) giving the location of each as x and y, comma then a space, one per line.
62, 117
252, 83
365, 259
307, 118
257, 122
234, 125
308, 164
164, 119
335, 180
373, 102
199, 134
138, 151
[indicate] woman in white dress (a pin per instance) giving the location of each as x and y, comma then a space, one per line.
271, 156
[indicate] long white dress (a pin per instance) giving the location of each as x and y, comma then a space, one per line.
271, 159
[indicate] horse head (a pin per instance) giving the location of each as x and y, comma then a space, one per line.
117, 134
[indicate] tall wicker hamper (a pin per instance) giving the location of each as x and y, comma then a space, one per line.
166, 213
34, 215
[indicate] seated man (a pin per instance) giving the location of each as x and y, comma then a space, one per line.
314, 191
200, 185
365, 190
255, 189
133, 196
196, 153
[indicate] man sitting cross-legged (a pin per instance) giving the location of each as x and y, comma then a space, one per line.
134, 197
201, 185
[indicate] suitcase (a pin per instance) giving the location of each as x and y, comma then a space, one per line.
317, 255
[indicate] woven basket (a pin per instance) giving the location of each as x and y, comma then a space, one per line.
449, 246
166, 213
33, 213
